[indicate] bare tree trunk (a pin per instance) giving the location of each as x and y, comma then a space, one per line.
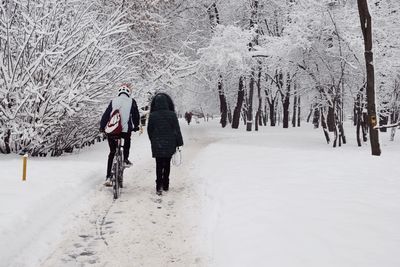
229, 113
298, 110
286, 103
331, 119
366, 27
253, 22
316, 117
246, 104
272, 112
271, 101
324, 126
238, 108
213, 14
358, 127
358, 114
222, 103
336, 135
258, 113
265, 115
250, 103
341, 132
365, 126
310, 113
294, 116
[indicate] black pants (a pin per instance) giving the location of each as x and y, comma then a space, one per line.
112, 143
163, 166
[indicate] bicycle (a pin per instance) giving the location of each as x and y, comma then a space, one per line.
117, 170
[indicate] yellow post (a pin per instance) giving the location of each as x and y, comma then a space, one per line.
24, 161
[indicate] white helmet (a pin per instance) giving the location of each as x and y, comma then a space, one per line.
124, 89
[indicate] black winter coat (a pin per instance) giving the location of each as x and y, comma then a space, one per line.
163, 128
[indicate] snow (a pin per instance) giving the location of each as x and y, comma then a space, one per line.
277, 197
282, 198
33, 214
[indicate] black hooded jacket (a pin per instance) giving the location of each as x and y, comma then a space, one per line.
163, 127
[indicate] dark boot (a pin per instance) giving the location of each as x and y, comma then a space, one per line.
166, 184
158, 188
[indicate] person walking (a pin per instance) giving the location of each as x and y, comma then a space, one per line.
188, 117
129, 113
165, 136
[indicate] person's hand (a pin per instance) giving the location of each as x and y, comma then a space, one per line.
141, 130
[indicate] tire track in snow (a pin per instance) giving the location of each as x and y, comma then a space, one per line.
102, 222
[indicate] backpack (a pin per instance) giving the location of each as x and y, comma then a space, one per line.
114, 125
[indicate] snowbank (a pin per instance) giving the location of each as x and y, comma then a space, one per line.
35, 213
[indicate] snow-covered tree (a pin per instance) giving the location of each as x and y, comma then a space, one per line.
56, 59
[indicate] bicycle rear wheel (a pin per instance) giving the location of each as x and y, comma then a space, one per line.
121, 176
117, 173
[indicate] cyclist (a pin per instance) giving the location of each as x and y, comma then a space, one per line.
130, 122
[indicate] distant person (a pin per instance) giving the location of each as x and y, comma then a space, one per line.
144, 115
165, 136
188, 117
129, 120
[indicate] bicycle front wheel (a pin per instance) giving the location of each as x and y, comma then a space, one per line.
116, 188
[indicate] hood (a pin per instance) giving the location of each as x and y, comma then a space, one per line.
160, 102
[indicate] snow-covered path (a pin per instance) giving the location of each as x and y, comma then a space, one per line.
140, 228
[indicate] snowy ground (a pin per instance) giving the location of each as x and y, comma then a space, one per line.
279, 198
